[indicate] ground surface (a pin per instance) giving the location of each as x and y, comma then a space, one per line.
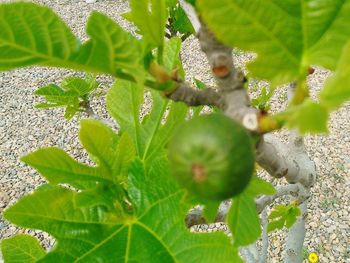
24, 128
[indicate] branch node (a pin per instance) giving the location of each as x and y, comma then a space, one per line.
250, 121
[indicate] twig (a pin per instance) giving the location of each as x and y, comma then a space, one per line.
90, 112
265, 238
249, 253
196, 97
295, 238
195, 216
265, 200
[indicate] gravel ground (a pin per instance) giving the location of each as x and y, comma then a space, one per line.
24, 129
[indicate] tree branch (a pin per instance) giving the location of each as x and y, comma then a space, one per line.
295, 238
195, 217
265, 238
278, 159
90, 112
249, 253
230, 82
265, 200
196, 97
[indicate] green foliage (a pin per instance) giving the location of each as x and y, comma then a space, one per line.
308, 117
150, 17
103, 232
296, 34
111, 49
103, 147
311, 116
179, 22
171, 3
114, 209
283, 215
126, 197
210, 210
124, 103
262, 101
35, 35
126, 206
337, 88
73, 94
21, 248
171, 56
258, 186
243, 219
199, 84
192, 2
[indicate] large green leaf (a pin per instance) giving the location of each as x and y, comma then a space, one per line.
150, 17
171, 58
308, 117
171, 3
21, 248
102, 145
288, 35
258, 186
243, 220
111, 49
58, 167
154, 233
100, 142
125, 153
124, 101
176, 115
34, 35
337, 88
181, 23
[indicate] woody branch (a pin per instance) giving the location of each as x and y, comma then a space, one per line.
278, 159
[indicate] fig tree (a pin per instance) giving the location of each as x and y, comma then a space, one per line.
212, 156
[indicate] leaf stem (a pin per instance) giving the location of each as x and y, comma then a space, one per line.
301, 92
160, 55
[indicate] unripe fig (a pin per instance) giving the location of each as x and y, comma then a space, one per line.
212, 156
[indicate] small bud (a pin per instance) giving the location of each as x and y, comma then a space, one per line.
160, 74
221, 71
220, 66
268, 123
311, 70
